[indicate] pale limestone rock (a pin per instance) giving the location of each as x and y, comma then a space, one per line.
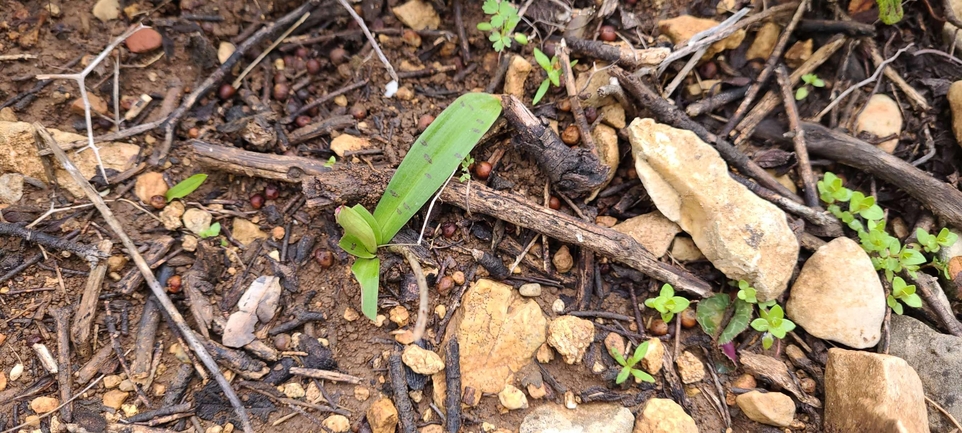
652, 230
744, 236
881, 117
514, 79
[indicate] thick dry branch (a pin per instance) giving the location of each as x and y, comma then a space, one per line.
667, 113
263, 165
941, 198
80, 332
570, 169
624, 56
89, 253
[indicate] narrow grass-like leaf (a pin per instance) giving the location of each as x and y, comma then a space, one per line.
185, 187
367, 272
433, 157
623, 375
642, 376
710, 312
738, 323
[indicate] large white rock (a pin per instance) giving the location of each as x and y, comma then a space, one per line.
745, 237
838, 296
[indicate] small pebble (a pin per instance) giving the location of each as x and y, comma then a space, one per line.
143, 41
458, 277
530, 290
278, 232
445, 284
424, 122
351, 314
570, 135
558, 306
658, 327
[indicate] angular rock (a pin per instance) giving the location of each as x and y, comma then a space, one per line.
680, 29
42, 405
562, 260
690, 368
18, 151
514, 79
570, 336
150, 184
197, 220
11, 188
654, 357
224, 51
745, 237
613, 115
798, 53
771, 408
512, 398
337, 423
8, 115
143, 41
955, 103
606, 142
171, 215
114, 398
867, 391
662, 415
838, 296
764, 43
684, 249
591, 81
422, 361
881, 117
246, 232
499, 332
293, 390
652, 230
418, 15
348, 143
382, 416
97, 105
938, 361
591, 417
616, 342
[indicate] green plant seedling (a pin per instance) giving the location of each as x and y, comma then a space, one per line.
905, 293
466, 168
504, 18
741, 317
667, 303
330, 161
211, 231
865, 207
628, 365
889, 11
711, 312
431, 161
933, 243
773, 323
810, 80
830, 189
185, 187
552, 67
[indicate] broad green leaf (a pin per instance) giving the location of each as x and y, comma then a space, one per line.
894, 304
185, 187
946, 238
818, 82
542, 90
357, 226
667, 316
542, 59
911, 256
801, 93
330, 162
873, 212
738, 323
678, 304
211, 231
433, 158
364, 213
760, 325
619, 358
353, 246
490, 7
623, 375
642, 376
497, 21
367, 272
710, 312
667, 291
913, 301
889, 11
809, 78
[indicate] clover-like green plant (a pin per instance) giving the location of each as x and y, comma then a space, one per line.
810, 80
628, 365
211, 231
504, 18
902, 292
552, 67
667, 303
933, 243
889, 11
433, 158
466, 164
773, 323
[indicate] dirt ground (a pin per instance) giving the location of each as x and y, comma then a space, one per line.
357, 346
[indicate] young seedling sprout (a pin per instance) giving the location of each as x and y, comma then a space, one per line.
773, 323
628, 365
80, 78
667, 303
504, 18
553, 68
902, 292
810, 80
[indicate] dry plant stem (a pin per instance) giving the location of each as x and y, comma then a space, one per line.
452, 378
402, 400
680, 76
927, 286
766, 73
152, 282
89, 253
770, 101
324, 99
586, 139
332, 376
81, 77
373, 41
804, 165
878, 71
628, 57
61, 316
917, 100
240, 78
462, 33
665, 112
422, 321
218, 75
942, 409
81, 331
68, 401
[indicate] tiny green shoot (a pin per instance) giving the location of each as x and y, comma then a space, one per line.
902, 292
552, 67
933, 243
773, 323
466, 168
504, 18
889, 11
433, 158
628, 365
185, 187
330, 161
748, 294
211, 231
667, 303
810, 80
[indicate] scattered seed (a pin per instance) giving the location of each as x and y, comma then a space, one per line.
688, 318
570, 135
424, 122
158, 202
445, 284
338, 56
193, 133
173, 284
658, 327
449, 230
313, 67
358, 112
591, 114
282, 342
708, 70
302, 121
257, 201
281, 90
483, 170
324, 258
301, 52
607, 34
226, 91
564, 105
271, 192
554, 203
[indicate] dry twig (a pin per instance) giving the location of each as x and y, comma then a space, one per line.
798, 137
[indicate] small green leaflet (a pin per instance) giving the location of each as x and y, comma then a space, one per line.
433, 158
185, 187
711, 312
368, 271
738, 323
211, 231
889, 11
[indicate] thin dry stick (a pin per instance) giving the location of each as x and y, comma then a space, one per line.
576, 108
766, 73
422, 321
80, 78
801, 151
684, 72
878, 71
148, 274
914, 97
944, 412
250, 67
393, 85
